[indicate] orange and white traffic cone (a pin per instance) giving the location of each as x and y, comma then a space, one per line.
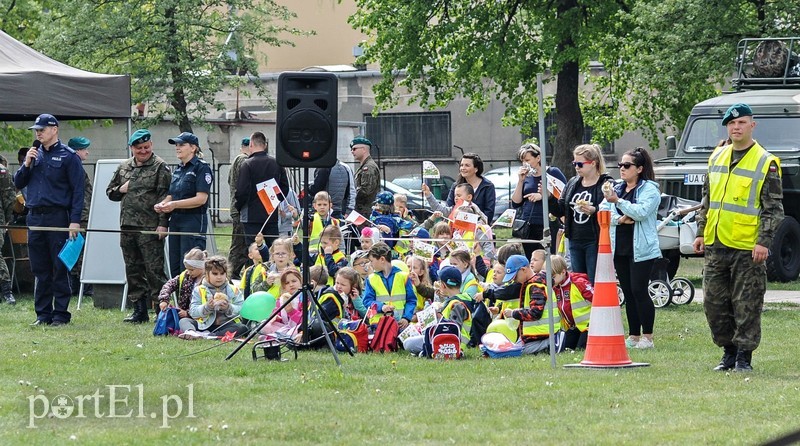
605, 346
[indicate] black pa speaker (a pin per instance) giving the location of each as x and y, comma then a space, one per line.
307, 124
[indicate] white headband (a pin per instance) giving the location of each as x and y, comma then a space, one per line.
196, 264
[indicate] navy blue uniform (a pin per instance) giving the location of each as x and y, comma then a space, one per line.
55, 183
187, 180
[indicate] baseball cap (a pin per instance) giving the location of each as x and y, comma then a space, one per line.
44, 120
79, 143
514, 264
736, 111
450, 276
245, 141
359, 254
185, 138
139, 136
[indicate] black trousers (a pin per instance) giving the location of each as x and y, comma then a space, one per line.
633, 279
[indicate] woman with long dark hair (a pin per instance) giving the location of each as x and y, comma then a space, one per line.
470, 171
634, 237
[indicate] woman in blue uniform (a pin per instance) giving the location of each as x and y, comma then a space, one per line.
187, 201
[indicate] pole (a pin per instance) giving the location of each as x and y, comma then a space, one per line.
546, 236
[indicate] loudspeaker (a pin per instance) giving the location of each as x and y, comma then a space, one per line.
308, 111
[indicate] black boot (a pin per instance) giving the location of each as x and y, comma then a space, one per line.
728, 359
5, 288
139, 314
743, 359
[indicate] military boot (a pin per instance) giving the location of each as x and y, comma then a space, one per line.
743, 360
728, 359
139, 314
5, 288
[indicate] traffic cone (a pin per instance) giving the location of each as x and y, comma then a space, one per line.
605, 346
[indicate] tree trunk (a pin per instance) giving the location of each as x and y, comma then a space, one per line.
177, 96
569, 119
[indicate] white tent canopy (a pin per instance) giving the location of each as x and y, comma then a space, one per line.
32, 83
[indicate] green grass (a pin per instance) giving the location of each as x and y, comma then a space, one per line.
393, 398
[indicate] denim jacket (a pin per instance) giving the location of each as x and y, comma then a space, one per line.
643, 210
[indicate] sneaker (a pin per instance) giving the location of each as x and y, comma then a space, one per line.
631, 342
190, 335
645, 343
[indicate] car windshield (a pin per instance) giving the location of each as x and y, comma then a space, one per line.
776, 134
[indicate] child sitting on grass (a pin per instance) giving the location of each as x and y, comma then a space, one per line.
332, 305
349, 285
281, 257
286, 322
421, 279
215, 304
184, 283
329, 254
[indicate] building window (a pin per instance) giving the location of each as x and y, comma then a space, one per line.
411, 135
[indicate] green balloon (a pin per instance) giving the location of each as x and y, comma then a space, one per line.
258, 306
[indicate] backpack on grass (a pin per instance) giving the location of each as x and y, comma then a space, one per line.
385, 338
443, 341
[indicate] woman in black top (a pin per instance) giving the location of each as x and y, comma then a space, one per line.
471, 171
578, 205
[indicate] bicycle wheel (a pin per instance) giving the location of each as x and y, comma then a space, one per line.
620, 296
682, 291
660, 293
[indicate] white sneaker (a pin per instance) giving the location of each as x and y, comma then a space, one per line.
631, 342
645, 343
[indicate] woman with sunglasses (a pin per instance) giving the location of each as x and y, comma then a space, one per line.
470, 171
527, 196
634, 238
578, 205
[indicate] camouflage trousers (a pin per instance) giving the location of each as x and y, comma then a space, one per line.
733, 295
5, 275
144, 264
237, 255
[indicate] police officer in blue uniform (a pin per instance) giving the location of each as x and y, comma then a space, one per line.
187, 201
54, 178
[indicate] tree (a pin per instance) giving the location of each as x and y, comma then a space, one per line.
679, 53
179, 53
482, 50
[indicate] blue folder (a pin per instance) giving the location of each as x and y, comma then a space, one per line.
71, 251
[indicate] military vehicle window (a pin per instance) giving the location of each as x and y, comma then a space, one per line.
776, 134
704, 134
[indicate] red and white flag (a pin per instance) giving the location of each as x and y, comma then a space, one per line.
355, 218
457, 205
268, 194
465, 221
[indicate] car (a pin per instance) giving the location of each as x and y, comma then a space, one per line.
416, 204
413, 182
503, 178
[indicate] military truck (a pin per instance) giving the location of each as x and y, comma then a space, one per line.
768, 79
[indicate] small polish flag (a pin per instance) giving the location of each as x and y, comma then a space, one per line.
465, 221
355, 218
457, 205
267, 195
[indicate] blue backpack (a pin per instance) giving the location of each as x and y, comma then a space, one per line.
443, 341
167, 322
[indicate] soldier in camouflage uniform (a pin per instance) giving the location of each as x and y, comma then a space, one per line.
81, 145
237, 255
368, 176
741, 211
8, 196
139, 183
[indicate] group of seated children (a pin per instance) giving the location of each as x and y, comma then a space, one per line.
464, 277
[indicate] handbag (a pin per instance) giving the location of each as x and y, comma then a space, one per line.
167, 322
520, 227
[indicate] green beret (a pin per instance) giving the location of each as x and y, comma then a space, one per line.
360, 140
139, 136
245, 141
79, 143
736, 111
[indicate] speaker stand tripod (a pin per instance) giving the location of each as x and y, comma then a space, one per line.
309, 297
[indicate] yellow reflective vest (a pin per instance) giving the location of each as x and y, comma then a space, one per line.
316, 231
337, 257
581, 308
738, 193
395, 298
466, 326
541, 327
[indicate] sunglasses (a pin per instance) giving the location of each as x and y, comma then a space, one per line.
580, 164
625, 165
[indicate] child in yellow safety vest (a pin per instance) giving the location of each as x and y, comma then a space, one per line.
574, 293
281, 257
349, 285
333, 306
461, 259
389, 288
194, 261
421, 279
329, 254
319, 221
215, 304
533, 315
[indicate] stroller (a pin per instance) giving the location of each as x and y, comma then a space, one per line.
676, 230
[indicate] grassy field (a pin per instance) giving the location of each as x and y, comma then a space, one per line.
383, 398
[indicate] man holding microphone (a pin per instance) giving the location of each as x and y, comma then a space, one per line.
54, 178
